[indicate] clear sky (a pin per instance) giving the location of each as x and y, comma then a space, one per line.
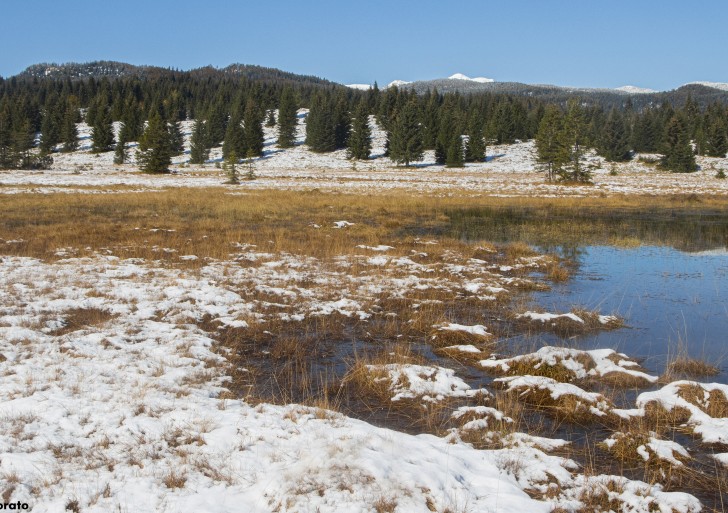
589, 43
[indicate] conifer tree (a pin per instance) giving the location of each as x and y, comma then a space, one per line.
102, 133
320, 126
216, 125
551, 151
230, 169
342, 123
155, 154
717, 139
360, 139
6, 141
678, 156
405, 144
614, 144
575, 141
287, 119
50, 132
475, 149
176, 139
253, 128
234, 137
23, 141
271, 122
199, 150
69, 132
120, 155
455, 152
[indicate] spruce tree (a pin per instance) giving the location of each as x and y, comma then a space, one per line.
23, 138
360, 139
321, 126
271, 122
287, 119
614, 144
155, 154
50, 131
199, 150
230, 169
102, 133
454, 156
717, 139
6, 140
575, 141
253, 128
551, 150
678, 156
405, 144
69, 132
176, 138
475, 149
120, 155
342, 123
234, 137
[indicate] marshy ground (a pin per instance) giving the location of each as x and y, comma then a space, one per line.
194, 338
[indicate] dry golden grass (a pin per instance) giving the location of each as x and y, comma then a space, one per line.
684, 366
714, 403
79, 318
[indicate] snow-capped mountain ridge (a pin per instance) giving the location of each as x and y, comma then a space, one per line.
460, 76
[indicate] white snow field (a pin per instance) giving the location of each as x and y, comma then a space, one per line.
510, 170
128, 414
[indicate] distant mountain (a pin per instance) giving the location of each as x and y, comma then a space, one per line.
113, 69
703, 93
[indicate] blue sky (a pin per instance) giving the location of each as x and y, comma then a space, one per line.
659, 45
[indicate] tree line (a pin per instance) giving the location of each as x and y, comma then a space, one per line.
231, 110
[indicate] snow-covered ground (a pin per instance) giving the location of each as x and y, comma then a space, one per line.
128, 412
510, 170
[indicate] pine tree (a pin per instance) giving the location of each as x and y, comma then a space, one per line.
23, 138
69, 132
155, 154
342, 123
717, 139
102, 133
230, 169
50, 132
320, 126
271, 122
678, 156
199, 151
614, 144
405, 144
6, 140
216, 125
253, 128
287, 119
234, 138
455, 152
120, 155
575, 140
360, 139
176, 139
551, 151
475, 149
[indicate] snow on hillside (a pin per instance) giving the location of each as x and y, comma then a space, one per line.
398, 83
510, 170
460, 76
361, 87
635, 90
715, 85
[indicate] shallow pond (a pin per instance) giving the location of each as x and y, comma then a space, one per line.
672, 301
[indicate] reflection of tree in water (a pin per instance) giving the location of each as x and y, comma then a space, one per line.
565, 229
